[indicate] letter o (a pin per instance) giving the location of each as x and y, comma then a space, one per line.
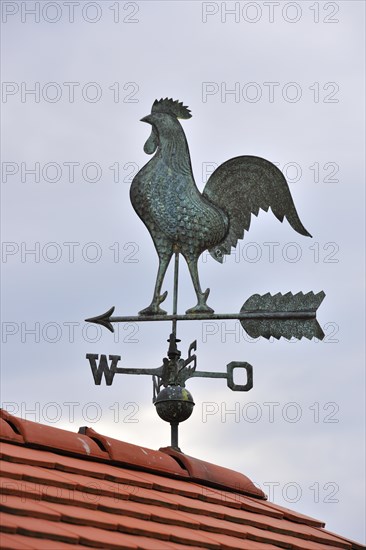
85, 252
291, 485
58, 174
57, 336
298, 253
257, 88
87, 17
52, 419
298, 13
257, 409
287, 417
98, 333
85, 172
258, 12
52, 259
85, 411
45, 15
58, 94
258, 253
85, 92
289, 98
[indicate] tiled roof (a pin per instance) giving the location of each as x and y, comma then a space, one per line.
64, 490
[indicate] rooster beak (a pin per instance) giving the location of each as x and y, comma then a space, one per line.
145, 119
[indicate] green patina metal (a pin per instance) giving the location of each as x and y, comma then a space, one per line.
183, 221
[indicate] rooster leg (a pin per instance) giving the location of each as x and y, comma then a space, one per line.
201, 306
153, 308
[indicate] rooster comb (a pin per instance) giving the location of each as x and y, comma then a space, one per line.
171, 107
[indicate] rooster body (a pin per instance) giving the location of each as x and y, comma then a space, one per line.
181, 219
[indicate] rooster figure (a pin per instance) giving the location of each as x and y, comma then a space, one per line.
182, 220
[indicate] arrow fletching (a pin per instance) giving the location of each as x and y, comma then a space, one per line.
293, 315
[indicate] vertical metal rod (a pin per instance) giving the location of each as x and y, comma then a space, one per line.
174, 425
174, 435
175, 296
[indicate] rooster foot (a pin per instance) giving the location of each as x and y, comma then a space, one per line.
201, 306
154, 308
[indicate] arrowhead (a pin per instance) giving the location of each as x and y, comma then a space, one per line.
103, 319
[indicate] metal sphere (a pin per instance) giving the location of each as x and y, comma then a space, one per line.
174, 404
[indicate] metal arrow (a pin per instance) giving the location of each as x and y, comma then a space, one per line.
279, 315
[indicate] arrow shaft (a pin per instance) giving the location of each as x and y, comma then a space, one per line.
257, 315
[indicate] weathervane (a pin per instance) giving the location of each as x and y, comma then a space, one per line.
181, 220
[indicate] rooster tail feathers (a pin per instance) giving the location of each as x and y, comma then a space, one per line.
295, 222
241, 187
289, 213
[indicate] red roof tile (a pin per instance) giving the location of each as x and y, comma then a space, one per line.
21, 542
133, 455
217, 475
65, 490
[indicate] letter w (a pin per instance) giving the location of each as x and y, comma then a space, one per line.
103, 367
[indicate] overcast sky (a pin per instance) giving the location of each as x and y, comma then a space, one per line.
280, 80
